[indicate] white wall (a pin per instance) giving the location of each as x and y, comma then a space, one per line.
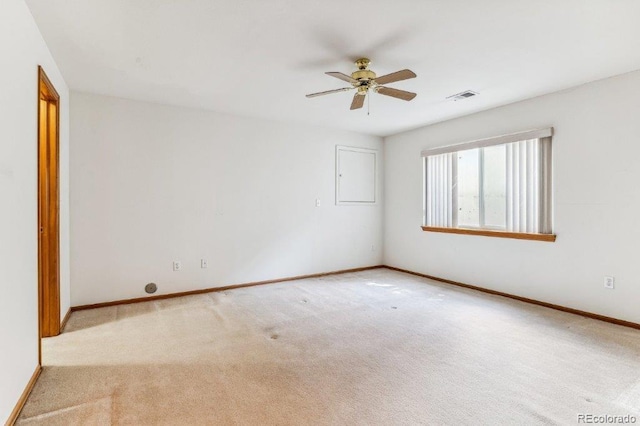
23, 49
596, 150
151, 184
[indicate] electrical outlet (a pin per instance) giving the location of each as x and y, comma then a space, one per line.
203, 263
177, 265
609, 282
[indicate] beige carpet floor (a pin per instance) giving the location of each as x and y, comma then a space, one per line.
371, 348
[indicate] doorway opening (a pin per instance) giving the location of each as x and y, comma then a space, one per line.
48, 207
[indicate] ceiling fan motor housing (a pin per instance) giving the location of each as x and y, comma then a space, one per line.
363, 75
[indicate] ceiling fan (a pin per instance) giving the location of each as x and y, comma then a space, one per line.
364, 80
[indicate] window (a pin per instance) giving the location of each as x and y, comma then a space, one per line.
499, 186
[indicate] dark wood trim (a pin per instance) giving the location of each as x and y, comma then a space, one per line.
48, 226
215, 289
489, 233
13, 417
523, 299
393, 268
63, 323
51, 92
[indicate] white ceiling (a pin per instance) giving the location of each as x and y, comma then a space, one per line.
259, 58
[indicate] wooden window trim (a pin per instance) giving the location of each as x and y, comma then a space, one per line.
490, 233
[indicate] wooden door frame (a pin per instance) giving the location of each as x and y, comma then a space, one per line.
51, 315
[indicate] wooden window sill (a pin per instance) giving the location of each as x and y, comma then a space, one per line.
489, 233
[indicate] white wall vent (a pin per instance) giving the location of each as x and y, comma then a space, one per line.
463, 95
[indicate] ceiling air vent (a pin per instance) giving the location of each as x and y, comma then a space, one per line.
463, 95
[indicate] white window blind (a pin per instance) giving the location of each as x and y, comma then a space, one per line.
501, 183
440, 170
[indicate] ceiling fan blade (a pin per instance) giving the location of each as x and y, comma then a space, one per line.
358, 101
342, 76
395, 93
396, 76
328, 92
